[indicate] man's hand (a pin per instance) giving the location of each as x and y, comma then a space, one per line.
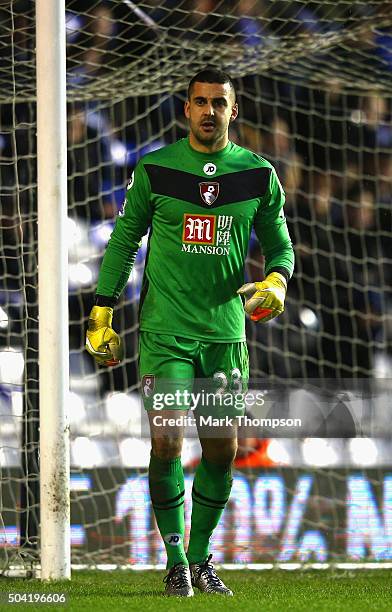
265, 300
102, 342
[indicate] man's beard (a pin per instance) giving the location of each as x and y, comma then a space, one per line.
207, 138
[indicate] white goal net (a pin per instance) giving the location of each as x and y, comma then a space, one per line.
313, 80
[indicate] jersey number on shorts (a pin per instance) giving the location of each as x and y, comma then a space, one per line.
234, 383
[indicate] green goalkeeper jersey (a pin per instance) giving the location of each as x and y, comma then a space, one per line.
200, 208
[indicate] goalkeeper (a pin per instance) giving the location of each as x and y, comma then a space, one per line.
200, 198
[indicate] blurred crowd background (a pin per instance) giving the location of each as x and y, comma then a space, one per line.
328, 134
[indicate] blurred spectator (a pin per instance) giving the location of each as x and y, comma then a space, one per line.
384, 212
320, 120
274, 143
292, 19
339, 276
384, 181
206, 23
10, 239
316, 278
278, 148
93, 48
249, 23
360, 271
371, 133
88, 169
383, 41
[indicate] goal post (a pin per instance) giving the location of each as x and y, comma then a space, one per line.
53, 291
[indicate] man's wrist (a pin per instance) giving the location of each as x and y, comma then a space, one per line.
105, 300
280, 270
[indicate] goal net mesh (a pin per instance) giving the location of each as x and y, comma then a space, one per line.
313, 81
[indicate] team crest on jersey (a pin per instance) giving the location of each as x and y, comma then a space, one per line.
148, 384
209, 192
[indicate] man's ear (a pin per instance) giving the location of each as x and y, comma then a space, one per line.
186, 109
234, 112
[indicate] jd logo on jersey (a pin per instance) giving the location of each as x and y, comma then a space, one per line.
209, 168
209, 192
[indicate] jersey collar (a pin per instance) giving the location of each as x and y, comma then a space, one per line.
207, 156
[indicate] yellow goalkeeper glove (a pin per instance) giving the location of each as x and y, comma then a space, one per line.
265, 300
102, 342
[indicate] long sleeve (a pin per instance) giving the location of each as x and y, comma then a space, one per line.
271, 229
131, 225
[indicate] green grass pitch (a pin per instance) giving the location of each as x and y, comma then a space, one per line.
269, 590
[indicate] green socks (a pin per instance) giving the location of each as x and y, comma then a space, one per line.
166, 479
211, 491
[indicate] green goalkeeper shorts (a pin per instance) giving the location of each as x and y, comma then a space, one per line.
171, 368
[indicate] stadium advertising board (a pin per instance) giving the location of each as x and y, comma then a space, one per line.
273, 516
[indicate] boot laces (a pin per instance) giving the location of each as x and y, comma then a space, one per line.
177, 576
206, 570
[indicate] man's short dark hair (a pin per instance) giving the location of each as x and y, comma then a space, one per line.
211, 75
